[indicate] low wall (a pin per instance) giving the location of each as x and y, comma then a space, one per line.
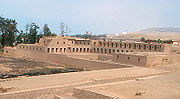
84, 56
157, 60
136, 60
175, 49
88, 94
40, 93
174, 58
143, 60
10, 51
63, 59
94, 61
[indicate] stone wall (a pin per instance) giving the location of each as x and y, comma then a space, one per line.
142, 59
94, 61
157, 60
130, 59
174, 58
10, 51
110, 47
32, 47
168, 48
175, 49
89, 56
63, 59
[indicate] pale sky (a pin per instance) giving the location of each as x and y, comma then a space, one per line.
96, 16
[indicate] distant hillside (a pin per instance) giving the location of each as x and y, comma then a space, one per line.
152, 33
162, 30
158, 31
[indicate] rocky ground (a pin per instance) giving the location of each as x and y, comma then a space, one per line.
15, 65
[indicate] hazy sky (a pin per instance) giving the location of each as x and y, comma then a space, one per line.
97, 16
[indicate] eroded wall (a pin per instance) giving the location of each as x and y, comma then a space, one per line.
157, 60
64, 60
110, 47
136, 60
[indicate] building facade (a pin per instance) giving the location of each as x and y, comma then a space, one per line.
66, 44
59, 45
131, 53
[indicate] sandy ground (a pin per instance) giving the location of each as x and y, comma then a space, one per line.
96, 76
169, 67
130, 82
157, 87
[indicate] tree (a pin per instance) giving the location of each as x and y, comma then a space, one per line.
19, 38
12, 30
142, 39
62, 28
46, 30
8, 29
25, 36
3, 26
53, 34
38, 37
159, 41
33, 33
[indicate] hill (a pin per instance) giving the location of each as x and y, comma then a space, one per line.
162, 30
158, 31
152, 33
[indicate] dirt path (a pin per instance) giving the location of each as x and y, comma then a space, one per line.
97, 76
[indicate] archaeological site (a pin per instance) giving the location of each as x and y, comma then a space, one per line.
89, 49
112, 69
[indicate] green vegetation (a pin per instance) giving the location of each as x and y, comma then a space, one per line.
8, 29
156, 41
47, 31
90, 36
44, 71
11, 36
142, 39
1, 50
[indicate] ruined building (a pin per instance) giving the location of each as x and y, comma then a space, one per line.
133, 53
